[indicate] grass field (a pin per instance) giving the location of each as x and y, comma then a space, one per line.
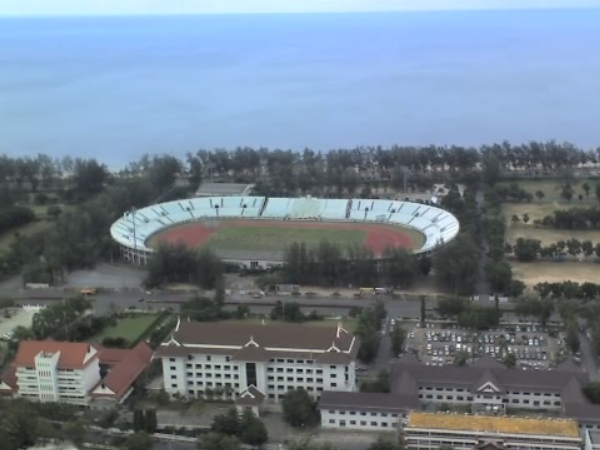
275, 239
42, 224
553, 272
537, 212
128, 328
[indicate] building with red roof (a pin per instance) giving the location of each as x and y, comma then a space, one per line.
70, 372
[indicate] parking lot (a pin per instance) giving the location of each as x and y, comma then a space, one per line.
439, 345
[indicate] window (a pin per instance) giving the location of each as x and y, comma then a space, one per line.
332, 367
170, 360
331, 420
333, 375
290, 361
271, 378
173, 368
218, 367
227, 358
333, 384
173, 385
173, 377
290, 379
353, 422
300, 380
373, 424
299, 370
208, 357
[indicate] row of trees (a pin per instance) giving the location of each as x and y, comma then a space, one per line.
14, 216
568, 290
470, 315
329, 264
179, 263
368, 328
527, 249
229, 430
574, 219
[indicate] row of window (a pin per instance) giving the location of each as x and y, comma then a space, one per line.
298, 380
211, 384
285, 388
362, 423
535, 394
362, 413
225, 367
516, 401
298, 370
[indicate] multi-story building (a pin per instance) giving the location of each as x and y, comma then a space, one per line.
72, 372
50, 371
427, 431
252, 362
486, 387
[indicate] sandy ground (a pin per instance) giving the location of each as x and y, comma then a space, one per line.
552, 272
20, 317
546, 235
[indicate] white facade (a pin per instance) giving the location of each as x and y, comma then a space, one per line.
361, 420
47, 382
433, 439
192, 375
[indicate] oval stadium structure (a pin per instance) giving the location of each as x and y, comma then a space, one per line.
253, 231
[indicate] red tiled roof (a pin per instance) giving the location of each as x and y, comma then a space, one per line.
9, 377
72, 354
111, 356
124, 374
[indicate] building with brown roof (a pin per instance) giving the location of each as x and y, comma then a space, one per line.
485, 387
51, 371
70, 372
123, 367
239, 360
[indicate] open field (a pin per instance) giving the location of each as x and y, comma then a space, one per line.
128, 328
538, 212
551, 189
555, 272
43, 223
20, 318
263, 235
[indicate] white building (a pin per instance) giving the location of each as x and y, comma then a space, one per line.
592, 440
50, 371
252, 362
426, 431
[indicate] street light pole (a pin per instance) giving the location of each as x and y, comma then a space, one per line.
132, 212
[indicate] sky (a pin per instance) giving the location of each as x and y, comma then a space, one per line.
144, 7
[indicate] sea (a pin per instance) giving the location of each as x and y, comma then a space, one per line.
116, 88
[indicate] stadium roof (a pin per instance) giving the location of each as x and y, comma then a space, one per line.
505, 425
223, 189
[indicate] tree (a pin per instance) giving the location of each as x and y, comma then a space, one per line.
525, 218
216, 441
540, 195
586, 188
380, 384
527, 250
138, 420
54, 211
139, 441
150, 421
592, 391
460, 358
423, 309
299, 410
89, 177
515, 219
227, 424
572, 337
253, 430
383, 443
456, 264
398, 337
510, 360
75, 431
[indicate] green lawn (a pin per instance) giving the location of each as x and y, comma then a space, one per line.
128, 328
278, 238
42, 224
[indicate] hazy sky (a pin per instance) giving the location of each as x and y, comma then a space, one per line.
98, 7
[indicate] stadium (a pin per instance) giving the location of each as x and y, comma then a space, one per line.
253, 232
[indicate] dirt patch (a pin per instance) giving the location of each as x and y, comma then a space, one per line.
554, 272
378, 237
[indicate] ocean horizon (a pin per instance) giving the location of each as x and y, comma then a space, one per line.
115, 88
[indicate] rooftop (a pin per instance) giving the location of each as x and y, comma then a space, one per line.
72, 354
223, 189
505, 425
269, 336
